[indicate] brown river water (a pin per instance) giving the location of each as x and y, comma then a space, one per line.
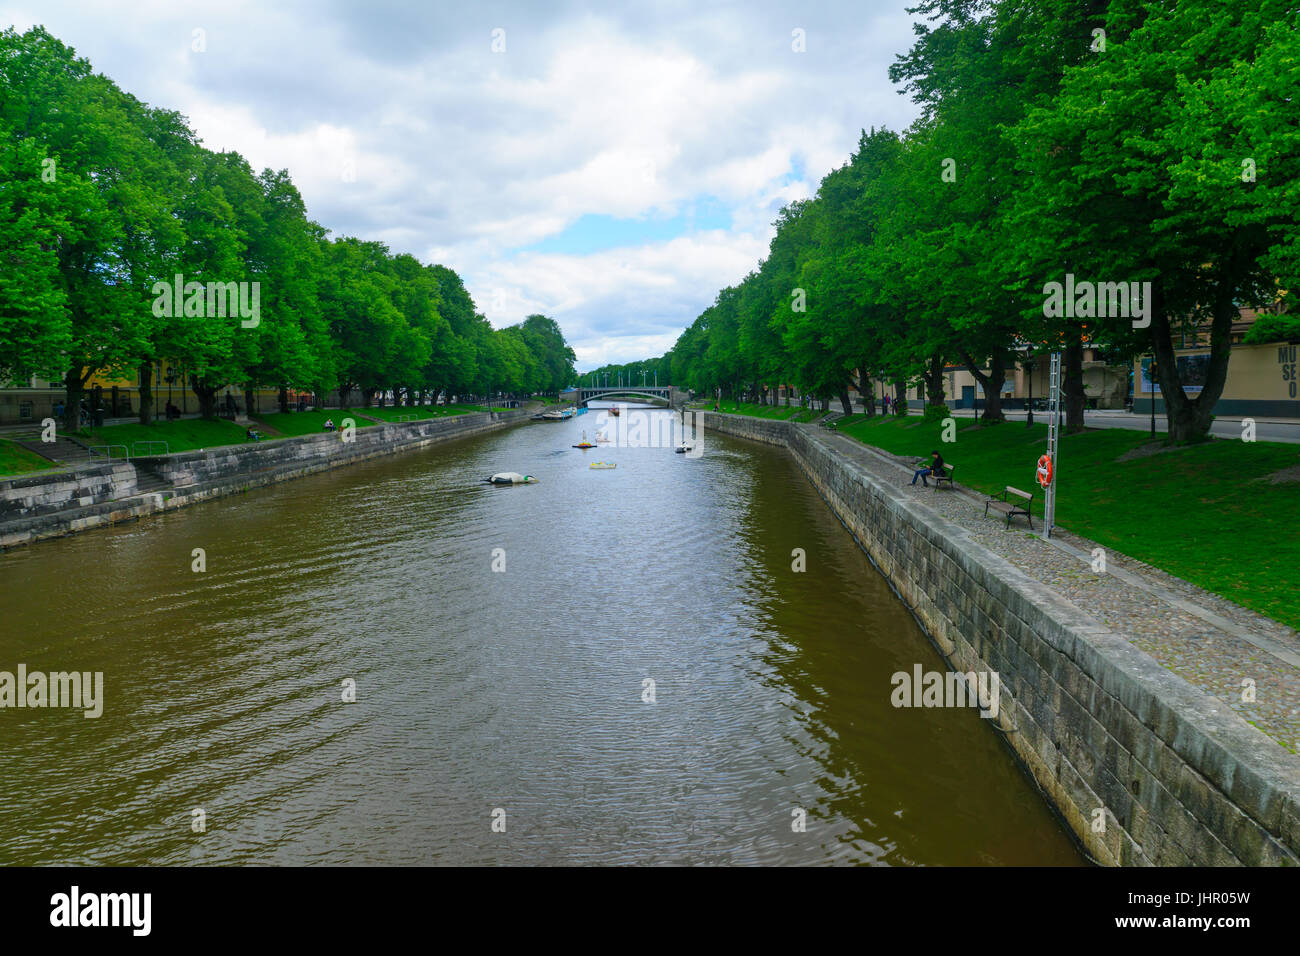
515, 700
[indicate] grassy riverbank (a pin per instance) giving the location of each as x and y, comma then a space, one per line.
1213, 514
791, 413
311, 422
16, 460
391, 413
1219, 514
185, 434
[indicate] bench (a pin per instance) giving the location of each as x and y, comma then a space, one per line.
946, 476
1012, 508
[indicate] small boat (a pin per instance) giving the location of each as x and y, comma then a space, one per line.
601, 439
683, 449
584, 443
614, 411
511, 478
602, 464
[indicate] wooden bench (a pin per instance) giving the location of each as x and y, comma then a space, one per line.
945, 477
1010, 508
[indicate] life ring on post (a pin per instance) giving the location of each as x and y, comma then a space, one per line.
1045, 470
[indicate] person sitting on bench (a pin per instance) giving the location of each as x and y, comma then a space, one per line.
329, 424
934, 468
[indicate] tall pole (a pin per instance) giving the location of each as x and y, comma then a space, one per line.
1029, 417
1053, 443
1151, 377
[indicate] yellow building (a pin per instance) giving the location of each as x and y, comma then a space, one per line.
119, 396
1261, 379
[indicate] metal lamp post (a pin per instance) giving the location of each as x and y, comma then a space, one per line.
1151, 377
1029, 365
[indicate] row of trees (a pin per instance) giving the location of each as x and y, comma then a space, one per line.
103, 197
1115, 140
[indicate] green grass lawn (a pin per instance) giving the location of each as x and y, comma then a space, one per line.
391, 413
181, 435
793, 413
1201, 512
17, 460
287, 424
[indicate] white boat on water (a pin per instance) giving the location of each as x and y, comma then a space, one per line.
556, 414
511, 478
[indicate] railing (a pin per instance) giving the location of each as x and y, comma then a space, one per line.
106, 451
135, 453
407, 418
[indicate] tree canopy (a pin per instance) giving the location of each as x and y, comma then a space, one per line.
102, 198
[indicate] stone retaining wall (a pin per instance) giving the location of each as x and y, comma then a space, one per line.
40, 495
1106, 730
48, 506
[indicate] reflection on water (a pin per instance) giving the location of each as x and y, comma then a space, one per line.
525, 690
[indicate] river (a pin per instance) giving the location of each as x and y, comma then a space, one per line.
647, 680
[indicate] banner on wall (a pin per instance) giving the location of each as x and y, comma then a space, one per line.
1192, 371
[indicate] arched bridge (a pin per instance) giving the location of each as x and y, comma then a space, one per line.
664, 393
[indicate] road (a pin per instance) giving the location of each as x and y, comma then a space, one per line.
1225, 426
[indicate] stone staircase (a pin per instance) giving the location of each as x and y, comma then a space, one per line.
147, 483
61, 451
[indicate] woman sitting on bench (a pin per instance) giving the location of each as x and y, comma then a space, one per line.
934, 468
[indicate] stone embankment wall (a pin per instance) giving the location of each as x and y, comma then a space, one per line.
47, 506
1107, 731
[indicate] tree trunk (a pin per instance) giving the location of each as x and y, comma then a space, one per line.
75, 385
1190, 418
248, 401
146, 393
990, 384
1072, 385
867, 388
845, 400
825, 403
368, 396
207, 396
900, 397
284, 400
934, 381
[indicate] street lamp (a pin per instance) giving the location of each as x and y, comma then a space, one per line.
1151, 377
1029, 367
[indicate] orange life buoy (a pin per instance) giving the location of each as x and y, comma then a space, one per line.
1045, 470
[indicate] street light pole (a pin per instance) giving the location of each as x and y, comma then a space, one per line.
1151, 377
1029, 417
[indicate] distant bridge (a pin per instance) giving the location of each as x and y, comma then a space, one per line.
664, 393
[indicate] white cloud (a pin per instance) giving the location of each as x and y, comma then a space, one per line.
465, 157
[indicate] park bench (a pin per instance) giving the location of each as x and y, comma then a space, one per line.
1012, 508
945, 477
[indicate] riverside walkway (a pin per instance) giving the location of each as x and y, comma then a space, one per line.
1205, 639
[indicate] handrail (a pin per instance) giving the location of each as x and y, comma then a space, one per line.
106, 451
148, 443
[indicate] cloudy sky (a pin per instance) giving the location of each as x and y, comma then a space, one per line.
612, 166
